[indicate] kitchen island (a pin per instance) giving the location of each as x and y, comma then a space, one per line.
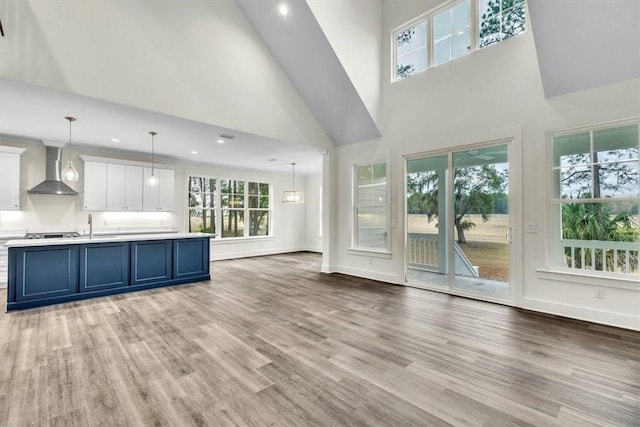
50, 271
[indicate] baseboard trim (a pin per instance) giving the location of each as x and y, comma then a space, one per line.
365, 274
582, 313
262, 252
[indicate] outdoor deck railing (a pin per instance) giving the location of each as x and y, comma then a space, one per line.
423, 251
597, 255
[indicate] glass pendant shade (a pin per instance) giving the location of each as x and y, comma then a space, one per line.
292, 196
152, 180
70, 174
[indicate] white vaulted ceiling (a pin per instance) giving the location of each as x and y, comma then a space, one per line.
585, 43
301, 47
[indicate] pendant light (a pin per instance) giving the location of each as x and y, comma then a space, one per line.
70, 174
292, 196
152, 180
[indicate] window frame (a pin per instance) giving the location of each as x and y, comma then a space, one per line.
428, 19
555, 200
355, 207
218, 209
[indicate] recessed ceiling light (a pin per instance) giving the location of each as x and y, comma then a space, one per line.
283, 9
221, 141
115, 140
194, 152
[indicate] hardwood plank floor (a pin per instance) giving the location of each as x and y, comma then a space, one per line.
272, 342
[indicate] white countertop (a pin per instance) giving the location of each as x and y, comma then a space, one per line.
103, 239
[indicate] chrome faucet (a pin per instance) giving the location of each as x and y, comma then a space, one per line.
90, 222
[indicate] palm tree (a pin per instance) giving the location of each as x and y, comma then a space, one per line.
597, 221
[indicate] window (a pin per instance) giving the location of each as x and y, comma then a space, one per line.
202, 203
411, 50
258, 209
451, 33
232, 201
237, 208
595, 199
500, 20
448, 33
371, 225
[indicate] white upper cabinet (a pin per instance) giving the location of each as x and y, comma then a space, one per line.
159, 197
120, 185
10, 178
124, 187
95, 186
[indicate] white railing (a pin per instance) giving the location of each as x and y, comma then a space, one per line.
616, 257
423, 251
424, 254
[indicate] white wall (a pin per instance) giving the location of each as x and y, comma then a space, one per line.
312, 208
65, 213
489, 94
353, 30
200, 60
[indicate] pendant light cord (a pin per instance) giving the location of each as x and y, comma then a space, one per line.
153, 145
70, 119
293, 177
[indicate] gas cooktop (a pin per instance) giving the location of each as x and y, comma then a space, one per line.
53, 235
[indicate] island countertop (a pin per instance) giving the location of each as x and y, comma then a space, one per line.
82, 240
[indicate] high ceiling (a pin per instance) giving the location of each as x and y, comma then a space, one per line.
38, 113
584, 44
580, 44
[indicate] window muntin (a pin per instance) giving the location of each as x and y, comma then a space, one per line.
452, 33
371, 211
229, 207
259, 200
595, 200
411, 50
447, 34
202, 203
500, 20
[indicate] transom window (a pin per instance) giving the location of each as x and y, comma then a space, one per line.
225, 210
451, 32
595, 199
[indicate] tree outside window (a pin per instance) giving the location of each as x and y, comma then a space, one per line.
259, 201
596, 195
202, 204
500, 20
232, 202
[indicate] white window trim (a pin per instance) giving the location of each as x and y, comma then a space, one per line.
565, 274
217, 237
474, 31
354, 249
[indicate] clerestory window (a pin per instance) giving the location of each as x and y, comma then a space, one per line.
454, 30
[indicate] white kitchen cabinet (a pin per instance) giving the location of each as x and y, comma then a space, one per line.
10, 178
124, 187
4, 264
159, 197
95, 186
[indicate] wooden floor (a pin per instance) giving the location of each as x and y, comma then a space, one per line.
272, 342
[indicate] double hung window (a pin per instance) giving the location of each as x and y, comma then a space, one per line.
229, 208
595, 197
371, 231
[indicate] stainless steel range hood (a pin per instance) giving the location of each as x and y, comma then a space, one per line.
53, 183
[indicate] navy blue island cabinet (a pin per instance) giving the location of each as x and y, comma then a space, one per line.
43, 274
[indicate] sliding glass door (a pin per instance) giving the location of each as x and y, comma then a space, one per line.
458, 227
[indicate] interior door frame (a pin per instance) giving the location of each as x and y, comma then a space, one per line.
514, 198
